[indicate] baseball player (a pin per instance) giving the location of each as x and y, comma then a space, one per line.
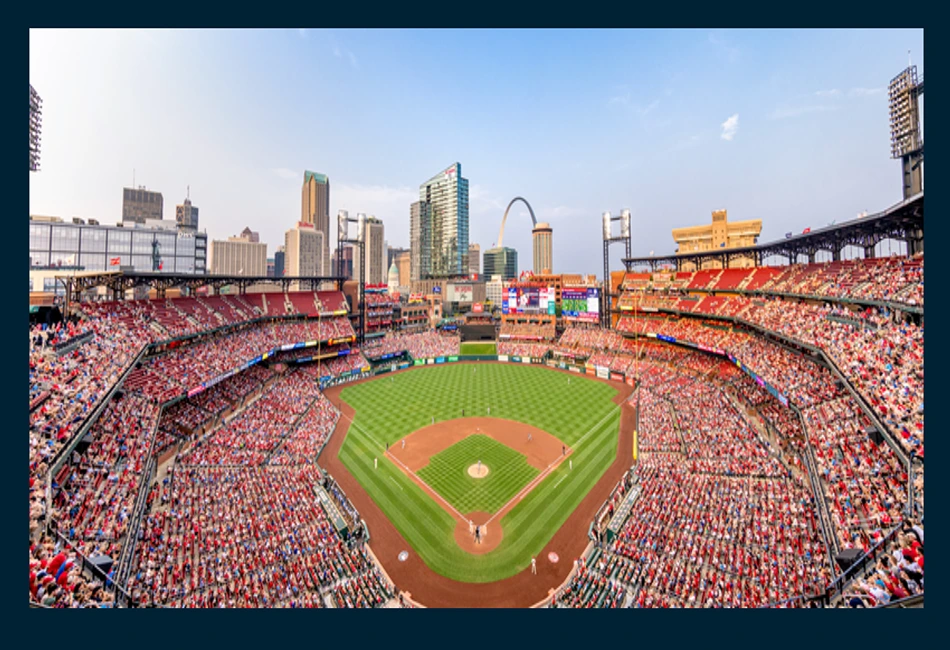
471, 527
375, 463
570, 464
534, 566
478, 535
403, 443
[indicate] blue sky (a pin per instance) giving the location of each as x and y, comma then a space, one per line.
788, 126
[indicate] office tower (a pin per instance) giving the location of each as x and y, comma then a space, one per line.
303, 252
541, 236
474, 259
501, 261
239, 256
315, 209
443, 224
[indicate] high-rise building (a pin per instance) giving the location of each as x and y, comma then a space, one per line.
373, 268
139, 204
303, 252
420, 240
279, 262
404, 264
501, 261
721, 234
251, 236
239, 256
474, 259
541, 236
315, 208
444, 223
186, 216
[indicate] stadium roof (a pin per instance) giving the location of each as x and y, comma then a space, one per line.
904, 220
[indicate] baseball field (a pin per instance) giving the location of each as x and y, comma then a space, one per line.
531, 444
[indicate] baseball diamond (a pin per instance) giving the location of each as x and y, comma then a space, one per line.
580, 418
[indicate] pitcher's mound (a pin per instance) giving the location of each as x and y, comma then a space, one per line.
478, 471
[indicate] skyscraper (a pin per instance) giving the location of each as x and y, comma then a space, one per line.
139, 204
445, 221
186, 215
474, 261
542, 235
373, 268
303, 252
420, 241
315, 209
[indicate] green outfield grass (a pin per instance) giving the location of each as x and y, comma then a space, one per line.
579, 413
447, 474
478, 348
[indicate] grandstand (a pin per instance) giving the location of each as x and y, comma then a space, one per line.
778, 459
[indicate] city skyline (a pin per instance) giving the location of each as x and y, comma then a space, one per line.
672, 124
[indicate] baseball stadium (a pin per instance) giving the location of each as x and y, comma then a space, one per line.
737, 427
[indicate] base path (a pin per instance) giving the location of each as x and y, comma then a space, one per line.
430, 589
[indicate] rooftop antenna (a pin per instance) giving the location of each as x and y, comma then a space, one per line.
188, 192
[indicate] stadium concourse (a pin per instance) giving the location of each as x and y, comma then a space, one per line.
175, 446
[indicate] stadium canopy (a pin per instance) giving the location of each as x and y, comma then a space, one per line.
903, 221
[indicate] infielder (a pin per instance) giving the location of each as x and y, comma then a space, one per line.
375, 463
534, 566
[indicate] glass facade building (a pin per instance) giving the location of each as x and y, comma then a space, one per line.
93, 247
444, 222
501, 261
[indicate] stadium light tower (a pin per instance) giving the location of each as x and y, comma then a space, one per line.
907, 143
36, 123
343, 220
624, 237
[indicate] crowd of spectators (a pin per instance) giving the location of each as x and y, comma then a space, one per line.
255, 536
252, 435
897, 574
420, 345
57, 579
543, 331
523, 349
97, 489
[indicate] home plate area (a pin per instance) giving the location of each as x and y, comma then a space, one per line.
477, 469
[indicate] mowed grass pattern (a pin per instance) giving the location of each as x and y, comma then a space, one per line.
393, 406
447, 474
478, 348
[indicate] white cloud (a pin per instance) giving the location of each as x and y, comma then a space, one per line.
797, 111
865, 92
283, 172
834, 92
730, 127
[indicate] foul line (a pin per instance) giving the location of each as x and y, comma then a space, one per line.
408, 471
560, 481
397, 483
530, 486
